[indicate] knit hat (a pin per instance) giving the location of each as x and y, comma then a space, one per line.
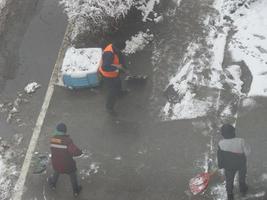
228, 131
61, 127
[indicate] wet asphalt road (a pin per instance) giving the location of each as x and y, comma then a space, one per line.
29, 47
136, 155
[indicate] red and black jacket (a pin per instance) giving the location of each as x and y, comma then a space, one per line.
63, 150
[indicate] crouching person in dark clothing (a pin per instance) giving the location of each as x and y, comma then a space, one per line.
63, 150
232, 153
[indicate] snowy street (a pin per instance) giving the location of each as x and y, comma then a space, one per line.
206, 65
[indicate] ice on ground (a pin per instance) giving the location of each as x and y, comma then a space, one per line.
192, 74
137, 42
80, 62
31, 87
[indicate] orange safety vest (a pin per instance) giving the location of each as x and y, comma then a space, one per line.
112, 74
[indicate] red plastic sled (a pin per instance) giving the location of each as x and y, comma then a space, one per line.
199, 183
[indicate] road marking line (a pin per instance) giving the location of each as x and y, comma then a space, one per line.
18, 189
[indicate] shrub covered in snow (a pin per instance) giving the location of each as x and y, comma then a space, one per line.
92, 15
99, 15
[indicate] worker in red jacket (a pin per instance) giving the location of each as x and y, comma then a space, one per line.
63, 150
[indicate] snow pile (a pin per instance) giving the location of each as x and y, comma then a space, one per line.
2, 4
188, 108
147, 7
31, 87
5, 183
8, 171
218, 191
137, 42
249, 43
191, 75
80, 62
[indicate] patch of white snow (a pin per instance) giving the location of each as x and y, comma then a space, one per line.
31, 87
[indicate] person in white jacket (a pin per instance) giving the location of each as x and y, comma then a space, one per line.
232, 157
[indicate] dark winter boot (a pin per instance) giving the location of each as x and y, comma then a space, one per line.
78, 191
51, 184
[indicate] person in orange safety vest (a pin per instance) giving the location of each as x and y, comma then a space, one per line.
112, 66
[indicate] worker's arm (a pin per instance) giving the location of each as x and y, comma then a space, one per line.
108, 61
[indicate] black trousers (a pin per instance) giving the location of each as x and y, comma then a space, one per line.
73, 179
114, 88
230, 176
